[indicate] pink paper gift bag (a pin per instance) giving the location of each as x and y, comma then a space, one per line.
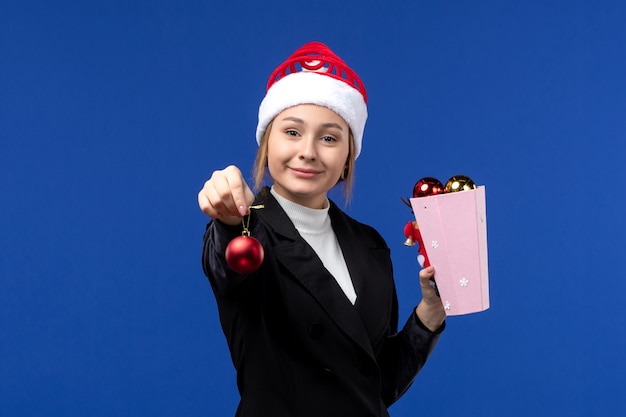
454, 231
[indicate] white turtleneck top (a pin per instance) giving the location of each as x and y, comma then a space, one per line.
315, 227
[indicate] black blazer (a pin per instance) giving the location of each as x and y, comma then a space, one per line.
299, 346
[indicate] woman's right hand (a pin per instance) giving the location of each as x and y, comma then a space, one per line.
226, 196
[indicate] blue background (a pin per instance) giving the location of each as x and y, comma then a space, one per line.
114, 113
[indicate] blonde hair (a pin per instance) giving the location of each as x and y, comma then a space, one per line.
260, 171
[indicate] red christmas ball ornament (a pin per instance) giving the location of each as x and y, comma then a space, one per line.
244, 254
427, 186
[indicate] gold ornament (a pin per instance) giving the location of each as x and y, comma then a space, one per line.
459, 183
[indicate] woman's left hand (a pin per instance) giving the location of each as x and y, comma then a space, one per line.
430, 310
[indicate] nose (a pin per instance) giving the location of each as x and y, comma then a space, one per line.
307, 150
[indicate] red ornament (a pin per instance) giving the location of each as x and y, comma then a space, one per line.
244, 254
413, 236
427, 186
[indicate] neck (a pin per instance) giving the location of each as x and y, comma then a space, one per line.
314, 202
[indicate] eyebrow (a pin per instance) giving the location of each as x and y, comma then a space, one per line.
298, 120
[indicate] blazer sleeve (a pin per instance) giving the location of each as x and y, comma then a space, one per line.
403, 355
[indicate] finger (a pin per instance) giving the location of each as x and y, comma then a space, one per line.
204, 200
242, 196
215, 197
207, 206
427, 273
226, 194
427, 283
248, 195
221, 197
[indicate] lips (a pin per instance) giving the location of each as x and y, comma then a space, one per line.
305, 172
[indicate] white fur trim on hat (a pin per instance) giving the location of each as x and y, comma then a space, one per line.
308, 87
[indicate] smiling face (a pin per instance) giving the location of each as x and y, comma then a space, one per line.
307, 151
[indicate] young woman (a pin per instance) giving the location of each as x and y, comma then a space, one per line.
313, 331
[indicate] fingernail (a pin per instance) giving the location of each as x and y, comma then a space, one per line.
242, 211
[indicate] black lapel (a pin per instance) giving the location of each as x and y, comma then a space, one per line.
369, 263
295, 254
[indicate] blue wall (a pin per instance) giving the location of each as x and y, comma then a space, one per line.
113, 114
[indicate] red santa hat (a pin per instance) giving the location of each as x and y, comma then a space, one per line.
316, 75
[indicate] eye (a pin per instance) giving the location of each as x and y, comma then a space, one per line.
291, 132
329, 139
